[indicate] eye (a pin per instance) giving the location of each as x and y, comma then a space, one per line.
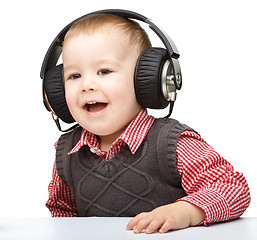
104, 72
75, 76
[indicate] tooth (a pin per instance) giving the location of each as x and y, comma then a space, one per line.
91, 103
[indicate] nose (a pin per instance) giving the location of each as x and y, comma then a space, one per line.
88, 83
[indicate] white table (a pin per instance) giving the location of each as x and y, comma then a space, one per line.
114, 228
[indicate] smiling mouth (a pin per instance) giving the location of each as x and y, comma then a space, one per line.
94, 107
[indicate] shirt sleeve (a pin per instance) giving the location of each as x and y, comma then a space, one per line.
210, 181
61, 202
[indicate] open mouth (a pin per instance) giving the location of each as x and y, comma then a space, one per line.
95, 106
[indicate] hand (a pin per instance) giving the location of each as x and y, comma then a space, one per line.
168, 217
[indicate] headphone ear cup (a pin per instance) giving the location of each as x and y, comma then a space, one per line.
147, 79
53, 85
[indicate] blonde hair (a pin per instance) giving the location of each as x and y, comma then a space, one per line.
136, 34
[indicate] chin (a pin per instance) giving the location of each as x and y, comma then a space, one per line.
100, 131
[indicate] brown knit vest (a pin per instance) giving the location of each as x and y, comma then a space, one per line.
129, 183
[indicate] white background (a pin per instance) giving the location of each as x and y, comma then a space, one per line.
217, 42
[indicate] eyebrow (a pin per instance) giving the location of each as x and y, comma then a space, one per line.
109, 60
66, 68
100, 61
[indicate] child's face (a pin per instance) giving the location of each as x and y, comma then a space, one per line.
99, 87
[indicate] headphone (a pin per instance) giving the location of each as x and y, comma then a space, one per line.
157, 73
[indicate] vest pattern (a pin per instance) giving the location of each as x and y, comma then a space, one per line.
128, 183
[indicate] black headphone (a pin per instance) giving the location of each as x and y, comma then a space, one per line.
156, 79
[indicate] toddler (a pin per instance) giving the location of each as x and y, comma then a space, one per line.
121, 161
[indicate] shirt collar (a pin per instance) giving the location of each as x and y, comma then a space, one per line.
133, 135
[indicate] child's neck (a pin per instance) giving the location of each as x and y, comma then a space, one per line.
106, 141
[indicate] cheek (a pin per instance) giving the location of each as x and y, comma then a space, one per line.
125, 99
129, 92
69, 96
123, 93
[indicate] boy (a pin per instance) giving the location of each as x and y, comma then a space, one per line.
114, 165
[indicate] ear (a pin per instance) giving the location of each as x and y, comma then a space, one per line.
53, 86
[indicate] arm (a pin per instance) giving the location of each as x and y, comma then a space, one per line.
215, 191
210, 181
61, 202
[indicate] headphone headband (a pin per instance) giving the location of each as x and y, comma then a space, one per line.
55, 48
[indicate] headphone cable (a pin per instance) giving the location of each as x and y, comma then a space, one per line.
170, 109
60, 128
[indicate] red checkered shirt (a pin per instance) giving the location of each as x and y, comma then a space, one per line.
209, 180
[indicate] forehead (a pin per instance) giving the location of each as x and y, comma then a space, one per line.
103, 43
106, 28
101, 36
